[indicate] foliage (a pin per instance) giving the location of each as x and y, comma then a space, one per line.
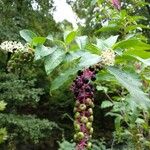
122, 90
17, 15
18, 92
27, 127
65, 145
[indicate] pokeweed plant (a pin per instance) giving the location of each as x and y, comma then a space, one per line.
78, 54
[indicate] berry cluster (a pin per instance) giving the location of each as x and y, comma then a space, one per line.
84, 92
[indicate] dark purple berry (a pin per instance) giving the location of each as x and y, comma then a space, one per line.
93, 78
80, 73
99, 67
85, 80
87, 89
91, 69
96, 71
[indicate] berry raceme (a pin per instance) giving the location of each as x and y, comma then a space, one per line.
84, 91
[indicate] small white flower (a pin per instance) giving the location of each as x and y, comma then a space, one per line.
108, 57
11, 46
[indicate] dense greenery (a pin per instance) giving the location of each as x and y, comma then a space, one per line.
36, 102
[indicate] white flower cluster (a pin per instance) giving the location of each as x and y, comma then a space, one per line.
108, 57
12, 46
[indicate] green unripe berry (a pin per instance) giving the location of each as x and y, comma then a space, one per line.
91, 118
82, 107
91, 131
77, 115
88, 101
80, 135
77, 103
77, 127
75, 109
75, 137
75, 122
91, 105
90, 110
88, 125
89, 145
84, 119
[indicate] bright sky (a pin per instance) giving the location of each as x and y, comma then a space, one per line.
64, 12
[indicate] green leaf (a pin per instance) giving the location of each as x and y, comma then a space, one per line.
42, 51
65, 145
2, 105
93, 49
53, 60
69, 37
111, 40
3, 135
107, 43
102, 88
50, 37
110, 27
106, 104
82, 41
118, 122
27, 35
138, 26
101, 44
132, 44
63, 77
146, 62
88, 59
133, 85
139, 53
38, 40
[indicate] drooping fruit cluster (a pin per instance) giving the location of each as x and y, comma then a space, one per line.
84, 92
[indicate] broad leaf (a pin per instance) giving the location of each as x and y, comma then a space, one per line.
111, 40
38, 40
101, 44
42, 51
132, 44
146, 62
81, 41
86, 58
63, 77
133, 85
69, 37
53, 60
106, 104
93, 49
109, 28
27, 35
139, 53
